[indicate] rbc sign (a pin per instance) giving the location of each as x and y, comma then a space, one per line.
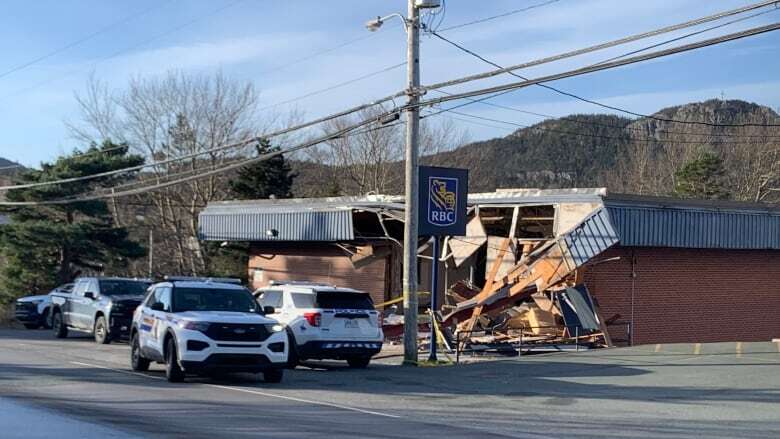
442, 208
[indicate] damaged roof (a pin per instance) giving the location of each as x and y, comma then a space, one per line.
640, 221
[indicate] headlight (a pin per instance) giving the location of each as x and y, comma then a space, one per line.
195, 326
274, 327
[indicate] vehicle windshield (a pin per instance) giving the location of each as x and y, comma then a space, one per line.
116, 287
212, 299
343, 300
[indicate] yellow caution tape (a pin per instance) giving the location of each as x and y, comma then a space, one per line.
398, 300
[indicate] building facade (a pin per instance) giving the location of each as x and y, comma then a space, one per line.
673, 270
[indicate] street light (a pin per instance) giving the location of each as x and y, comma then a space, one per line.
411, 156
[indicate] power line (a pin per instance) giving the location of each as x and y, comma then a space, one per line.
599, 136
233, 166
127, 49
611, 65
494, 17
602, 46
479, 92
605, 125
84, 39
590, 101
336, 86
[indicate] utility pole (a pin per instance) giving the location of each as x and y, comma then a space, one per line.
151, 253
411, 188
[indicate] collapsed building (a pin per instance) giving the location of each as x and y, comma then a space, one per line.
540, 265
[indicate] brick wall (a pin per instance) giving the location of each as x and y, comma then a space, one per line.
313, 262
689, 295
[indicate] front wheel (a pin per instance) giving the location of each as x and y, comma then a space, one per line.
273, 375
137, 361
358, 362
292, 352
101, 331
173, 371
46, 319
58, 325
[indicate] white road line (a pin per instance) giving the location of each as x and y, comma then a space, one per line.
126, 372
292, 398
254, 392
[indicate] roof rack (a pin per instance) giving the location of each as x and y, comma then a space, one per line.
216, 280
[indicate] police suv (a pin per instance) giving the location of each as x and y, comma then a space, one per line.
204, 327
325, 322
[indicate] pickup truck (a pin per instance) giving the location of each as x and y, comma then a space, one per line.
101, 306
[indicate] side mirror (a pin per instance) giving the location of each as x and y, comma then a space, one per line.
158, 306
268, 310
90, 295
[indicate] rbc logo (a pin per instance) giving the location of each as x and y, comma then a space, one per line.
442, 202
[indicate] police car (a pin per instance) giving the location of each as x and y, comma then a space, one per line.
325, 322
204, 327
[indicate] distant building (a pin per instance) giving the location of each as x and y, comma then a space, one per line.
682, 270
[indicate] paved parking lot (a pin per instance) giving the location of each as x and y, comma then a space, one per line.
712, 390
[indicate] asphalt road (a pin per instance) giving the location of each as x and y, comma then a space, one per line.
64, 388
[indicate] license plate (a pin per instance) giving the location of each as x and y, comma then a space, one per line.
351, 324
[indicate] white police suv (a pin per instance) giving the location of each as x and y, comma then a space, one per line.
204, 327
325, 322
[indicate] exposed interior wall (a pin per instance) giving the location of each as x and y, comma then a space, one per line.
690, 295
315, 262
569, 215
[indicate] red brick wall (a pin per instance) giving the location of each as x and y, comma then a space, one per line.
689, 295
323, 263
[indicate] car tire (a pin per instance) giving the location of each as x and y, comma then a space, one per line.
100, 331
273, 375
58, 325
173, 371
46, 319
137, 360
292, 352
358, 362
32, 325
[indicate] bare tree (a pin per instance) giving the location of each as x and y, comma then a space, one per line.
370, 159
175, 115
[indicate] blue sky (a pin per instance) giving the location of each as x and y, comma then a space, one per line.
251, 39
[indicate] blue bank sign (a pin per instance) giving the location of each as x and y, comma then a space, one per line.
442, 208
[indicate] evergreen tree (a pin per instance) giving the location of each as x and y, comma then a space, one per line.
45, 246
702, 178
264, 179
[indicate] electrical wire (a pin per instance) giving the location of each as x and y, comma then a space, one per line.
580, 98
599, 136
336, 86
474, 93
613, 64
605, 125
232, 166
84, 39
606, 45
494, 17
127, 49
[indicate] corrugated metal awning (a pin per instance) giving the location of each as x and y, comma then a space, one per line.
689, 228
591, 237
258, 225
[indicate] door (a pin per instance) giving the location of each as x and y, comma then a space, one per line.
152, 328
80, 306
274, 298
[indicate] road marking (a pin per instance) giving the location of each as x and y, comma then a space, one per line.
739, 349
126, 372
658, 348
255, 392
308, 401
697, 349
